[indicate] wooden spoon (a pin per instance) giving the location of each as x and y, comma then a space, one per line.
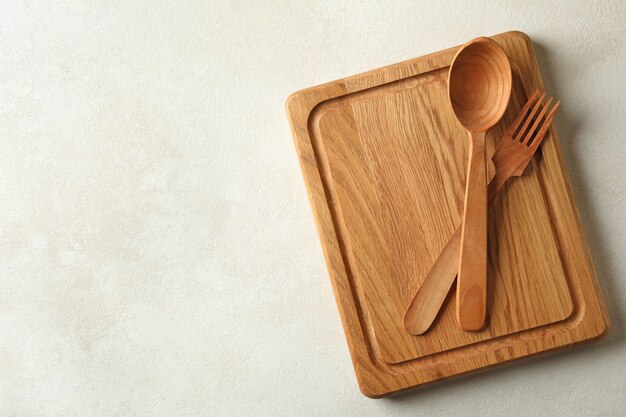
479, 86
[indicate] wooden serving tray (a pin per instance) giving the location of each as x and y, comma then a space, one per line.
384, 160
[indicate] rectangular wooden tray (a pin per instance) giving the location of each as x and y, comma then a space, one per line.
384, 161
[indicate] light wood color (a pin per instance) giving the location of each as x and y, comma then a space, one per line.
384, 167
510, 159
479, 86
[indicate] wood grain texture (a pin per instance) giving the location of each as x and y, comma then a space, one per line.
396, 182
385, 174
510, 159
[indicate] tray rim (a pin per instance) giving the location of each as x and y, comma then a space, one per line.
300, 107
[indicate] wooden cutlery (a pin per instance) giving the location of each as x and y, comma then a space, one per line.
510, 159
479, 87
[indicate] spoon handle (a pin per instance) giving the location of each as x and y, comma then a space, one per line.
471, 295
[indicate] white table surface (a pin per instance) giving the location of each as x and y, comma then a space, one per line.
158, 255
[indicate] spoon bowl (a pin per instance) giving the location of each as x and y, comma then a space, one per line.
480, 83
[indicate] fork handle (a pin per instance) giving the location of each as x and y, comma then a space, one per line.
471, 295
429, 298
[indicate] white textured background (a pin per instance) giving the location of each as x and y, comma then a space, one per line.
158, 256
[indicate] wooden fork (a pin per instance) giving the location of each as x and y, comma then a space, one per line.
511, 158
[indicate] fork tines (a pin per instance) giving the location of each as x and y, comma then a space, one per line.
529, 127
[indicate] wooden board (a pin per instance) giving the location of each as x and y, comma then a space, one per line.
384, 161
